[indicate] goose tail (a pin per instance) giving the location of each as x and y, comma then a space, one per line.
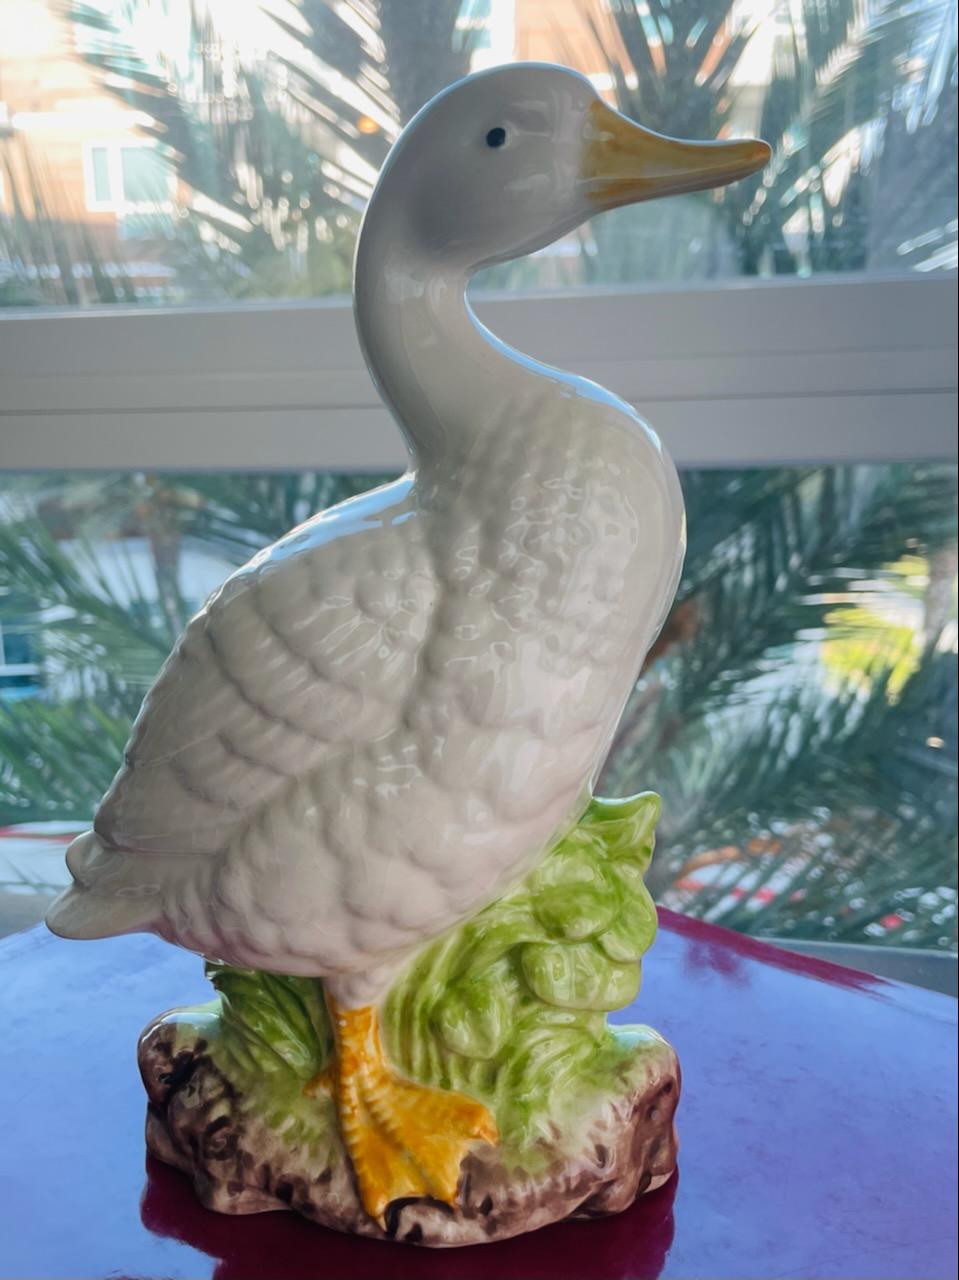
113, 892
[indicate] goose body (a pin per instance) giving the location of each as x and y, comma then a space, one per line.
381, 722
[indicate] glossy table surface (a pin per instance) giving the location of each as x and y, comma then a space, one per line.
817, 1131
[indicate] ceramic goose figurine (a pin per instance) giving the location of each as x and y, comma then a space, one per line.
380, 723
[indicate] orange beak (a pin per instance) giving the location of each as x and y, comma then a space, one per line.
624, 163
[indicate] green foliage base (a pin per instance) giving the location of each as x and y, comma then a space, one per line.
510, 1007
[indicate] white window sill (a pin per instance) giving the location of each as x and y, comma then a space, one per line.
735, 374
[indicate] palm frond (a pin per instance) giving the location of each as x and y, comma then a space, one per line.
275, 141
47, 259
56, 761
99, 621
802, 698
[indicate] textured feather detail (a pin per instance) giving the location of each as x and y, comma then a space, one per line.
308, 651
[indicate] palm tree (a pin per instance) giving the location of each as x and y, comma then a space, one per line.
671, 65
848, 77
913, 217
799, 719
275, 119
100, 636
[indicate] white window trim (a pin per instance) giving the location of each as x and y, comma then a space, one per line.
114, 148
14, 668
734, 374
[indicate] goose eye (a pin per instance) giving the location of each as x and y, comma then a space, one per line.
496, 137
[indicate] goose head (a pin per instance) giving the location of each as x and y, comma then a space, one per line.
508, 160
495, 167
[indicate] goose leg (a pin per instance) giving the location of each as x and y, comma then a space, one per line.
405, 1140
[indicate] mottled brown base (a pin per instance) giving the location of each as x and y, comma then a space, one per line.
239, 1164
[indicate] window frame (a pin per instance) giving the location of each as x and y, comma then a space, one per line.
736, 373
118, 203
10, 669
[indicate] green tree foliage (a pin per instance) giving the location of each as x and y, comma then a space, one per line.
860, 111
799, 721
275, 142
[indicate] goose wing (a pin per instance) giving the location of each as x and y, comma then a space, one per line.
309, 649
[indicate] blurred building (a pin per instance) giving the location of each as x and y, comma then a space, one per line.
74, 160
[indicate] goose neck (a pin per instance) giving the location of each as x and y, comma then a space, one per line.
433, 363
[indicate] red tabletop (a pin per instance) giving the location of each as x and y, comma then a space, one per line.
817, 1132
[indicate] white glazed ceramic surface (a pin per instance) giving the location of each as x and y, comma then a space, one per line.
378, 724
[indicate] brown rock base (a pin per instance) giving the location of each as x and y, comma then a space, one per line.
196, 1121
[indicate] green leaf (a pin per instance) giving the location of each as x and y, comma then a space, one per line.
631, 934
278, 1021
578, 976
626, 828
473, 1017
573, 895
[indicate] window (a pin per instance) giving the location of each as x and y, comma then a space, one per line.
17, 669
261, 136
100, 188
178, 215
127, 178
